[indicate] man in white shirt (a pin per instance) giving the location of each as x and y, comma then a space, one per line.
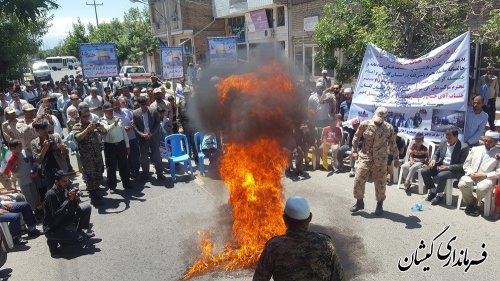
17, 104
491, 80
481, 168
126, 81
94, 102
320, 108
116, 149
447, 163
121, 111
62, 102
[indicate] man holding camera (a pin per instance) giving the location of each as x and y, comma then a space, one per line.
63, 209
87, 134
49, 152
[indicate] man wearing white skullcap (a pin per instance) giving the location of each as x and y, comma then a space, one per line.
482, 169
299, 254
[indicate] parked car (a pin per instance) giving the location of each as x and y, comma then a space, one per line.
138, 74
58, 63
41, 71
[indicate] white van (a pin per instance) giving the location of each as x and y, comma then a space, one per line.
58, 63
41, 71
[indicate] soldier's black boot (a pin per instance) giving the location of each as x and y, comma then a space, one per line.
360, 204
379, 211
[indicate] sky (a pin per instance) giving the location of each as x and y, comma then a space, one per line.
70, 10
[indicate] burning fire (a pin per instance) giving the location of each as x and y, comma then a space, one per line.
252, 172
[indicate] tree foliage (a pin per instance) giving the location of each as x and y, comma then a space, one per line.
27, 11
490, 35
132, 36
22, 25
406, 28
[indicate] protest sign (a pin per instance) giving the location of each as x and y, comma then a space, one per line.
171, 61
98, 60
427, 94
222, 51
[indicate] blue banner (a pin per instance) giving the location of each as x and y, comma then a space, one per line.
223, 51
171, 61
99, 60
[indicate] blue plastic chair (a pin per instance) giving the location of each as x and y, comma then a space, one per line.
175, 153
198, 140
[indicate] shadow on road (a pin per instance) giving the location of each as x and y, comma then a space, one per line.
111, 205
77, 250
411, 222
5, 274
20, 248
350, 249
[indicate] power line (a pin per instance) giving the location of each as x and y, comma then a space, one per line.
95, 9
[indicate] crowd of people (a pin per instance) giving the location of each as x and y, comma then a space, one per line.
110, 125
114, 126
373, 147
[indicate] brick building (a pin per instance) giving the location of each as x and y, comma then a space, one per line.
191, 23
255, 23
304, 15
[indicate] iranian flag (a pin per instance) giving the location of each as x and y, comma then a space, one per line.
7, 163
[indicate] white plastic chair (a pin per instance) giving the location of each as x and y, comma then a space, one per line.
431, 148
7, 242
400, 177
449, 190
489, 199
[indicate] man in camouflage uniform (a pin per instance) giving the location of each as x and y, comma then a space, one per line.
89, 145
299, 254
378, 137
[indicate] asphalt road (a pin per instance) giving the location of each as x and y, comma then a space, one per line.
150, 233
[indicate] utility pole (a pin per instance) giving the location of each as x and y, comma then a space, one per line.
168, 23
95, 9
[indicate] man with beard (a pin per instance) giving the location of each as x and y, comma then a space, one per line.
489, 84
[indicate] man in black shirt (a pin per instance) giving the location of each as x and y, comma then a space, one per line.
62, 210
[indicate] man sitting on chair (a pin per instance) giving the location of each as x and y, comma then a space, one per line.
447, 163
481, 168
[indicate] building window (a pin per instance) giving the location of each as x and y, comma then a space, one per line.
280, 16
236, 21
305, 62
270, 19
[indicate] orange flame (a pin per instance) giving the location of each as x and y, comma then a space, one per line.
252, 173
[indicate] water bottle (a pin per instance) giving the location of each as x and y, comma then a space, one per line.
419, 207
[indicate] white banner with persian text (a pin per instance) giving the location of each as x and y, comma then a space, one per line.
427, 94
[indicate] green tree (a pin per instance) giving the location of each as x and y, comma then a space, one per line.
406, 28
137, 39
27, 11
132, 36
22, 25
490, 35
